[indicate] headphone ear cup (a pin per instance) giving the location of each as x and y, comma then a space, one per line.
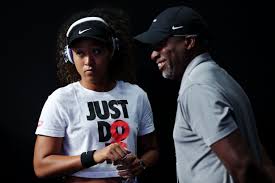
115, 45
68, 56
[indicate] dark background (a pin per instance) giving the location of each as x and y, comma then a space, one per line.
244, 46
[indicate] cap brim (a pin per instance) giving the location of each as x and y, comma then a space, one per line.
151, 37
72, 41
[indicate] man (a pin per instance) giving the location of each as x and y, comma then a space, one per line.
215, 133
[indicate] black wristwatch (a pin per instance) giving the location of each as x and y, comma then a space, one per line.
141, 162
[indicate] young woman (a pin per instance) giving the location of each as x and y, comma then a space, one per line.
89, 128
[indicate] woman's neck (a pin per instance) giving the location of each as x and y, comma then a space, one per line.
98, 86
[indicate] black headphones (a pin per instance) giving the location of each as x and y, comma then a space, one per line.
68, 55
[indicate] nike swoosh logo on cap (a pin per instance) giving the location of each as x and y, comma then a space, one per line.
178, 27
82, 31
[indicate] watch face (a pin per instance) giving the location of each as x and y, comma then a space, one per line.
142, 164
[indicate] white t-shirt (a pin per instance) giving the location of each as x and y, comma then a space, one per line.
90, 120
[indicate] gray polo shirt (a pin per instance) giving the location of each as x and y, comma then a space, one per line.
211, 105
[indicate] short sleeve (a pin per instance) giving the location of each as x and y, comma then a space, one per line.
50, 121
146, 124
209, 113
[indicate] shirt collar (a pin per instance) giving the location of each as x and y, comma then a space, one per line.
196, 61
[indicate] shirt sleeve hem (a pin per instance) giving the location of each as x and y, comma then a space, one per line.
221, 134
51, 133
146, 131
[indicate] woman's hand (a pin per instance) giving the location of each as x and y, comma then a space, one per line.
111, 152
129, 166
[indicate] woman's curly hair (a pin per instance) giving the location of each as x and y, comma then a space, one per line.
122, 66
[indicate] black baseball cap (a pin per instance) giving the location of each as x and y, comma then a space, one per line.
89, 27
178, 20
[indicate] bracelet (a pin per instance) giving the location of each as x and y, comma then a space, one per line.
87, 159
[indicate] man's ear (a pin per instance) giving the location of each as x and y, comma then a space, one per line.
190, 42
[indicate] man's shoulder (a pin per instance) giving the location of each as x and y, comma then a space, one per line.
205, 73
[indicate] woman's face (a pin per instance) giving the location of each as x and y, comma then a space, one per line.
91, 58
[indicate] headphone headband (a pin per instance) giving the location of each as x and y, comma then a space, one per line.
86, 19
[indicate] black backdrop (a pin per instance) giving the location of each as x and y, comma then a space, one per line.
244, 46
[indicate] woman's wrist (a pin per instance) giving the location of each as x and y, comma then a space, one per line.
142, 164
87, 159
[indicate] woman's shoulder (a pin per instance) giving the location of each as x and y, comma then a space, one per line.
63, 93
130, 87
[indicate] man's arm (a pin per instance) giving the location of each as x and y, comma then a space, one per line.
237, 158
268, 165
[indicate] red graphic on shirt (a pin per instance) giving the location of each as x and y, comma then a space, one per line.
119, 137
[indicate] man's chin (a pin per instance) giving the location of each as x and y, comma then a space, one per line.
167, 76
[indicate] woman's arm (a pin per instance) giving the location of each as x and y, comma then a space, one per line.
150, 150
48, 160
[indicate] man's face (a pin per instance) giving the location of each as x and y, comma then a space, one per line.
170, 56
